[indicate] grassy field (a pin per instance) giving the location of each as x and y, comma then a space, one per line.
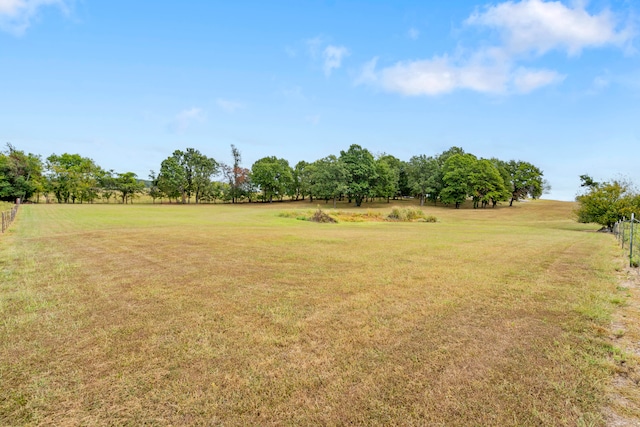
236, 315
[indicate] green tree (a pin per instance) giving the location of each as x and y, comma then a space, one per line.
20, 174
422, 176
361, 172
486, 184
273, 176
171, 179
525, 180
213, 192
72, 177
457, 171
128, 185
302, 180
328, 178
203, 168
605, 203
106, 184
154, 190
388, 172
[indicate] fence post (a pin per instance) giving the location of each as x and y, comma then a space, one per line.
633, 219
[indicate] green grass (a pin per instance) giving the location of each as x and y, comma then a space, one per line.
236, 315
5, 206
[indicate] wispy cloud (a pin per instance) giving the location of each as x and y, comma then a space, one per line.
528, 29
333, 56
442, 75
413, 33
16, 16
184, 119
314, 46
294, 93
228, 105
525, 80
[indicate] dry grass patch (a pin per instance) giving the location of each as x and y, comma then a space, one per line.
172, 315
397, 214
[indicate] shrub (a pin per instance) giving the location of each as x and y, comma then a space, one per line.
320, 216
406, 214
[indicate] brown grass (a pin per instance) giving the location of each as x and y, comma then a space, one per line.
211, 315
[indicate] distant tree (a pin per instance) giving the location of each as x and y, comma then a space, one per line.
273, 176
128, 185
486, 184
20, 174
388, 172
525, 180
154, 190
72, 177
422, 176
457, 176
107, 184
361, 172
214, 191
171, 179
301, 179
185, 174
328, 178
203, 168
605, 203
236, 176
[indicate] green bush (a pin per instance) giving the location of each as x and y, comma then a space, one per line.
406, 214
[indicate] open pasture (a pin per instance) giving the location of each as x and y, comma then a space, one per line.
233, 315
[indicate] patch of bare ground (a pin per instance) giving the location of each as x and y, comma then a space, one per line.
624, 393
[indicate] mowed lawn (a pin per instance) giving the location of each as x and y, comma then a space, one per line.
233, 315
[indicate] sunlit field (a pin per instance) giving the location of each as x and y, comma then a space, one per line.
235, 315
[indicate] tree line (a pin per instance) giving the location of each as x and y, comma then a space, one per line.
452, 177
69, 178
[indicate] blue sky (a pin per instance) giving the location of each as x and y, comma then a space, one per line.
127, 82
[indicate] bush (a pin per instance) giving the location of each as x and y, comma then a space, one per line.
406, 214
320, 216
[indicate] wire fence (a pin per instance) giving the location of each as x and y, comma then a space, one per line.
9, 216
628, 233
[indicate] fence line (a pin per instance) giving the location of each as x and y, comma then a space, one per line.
9, 216
627, 231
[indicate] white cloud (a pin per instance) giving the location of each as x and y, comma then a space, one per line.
526, 27
484, 73
525, 80
184, 119
413, 33
333, 56
539, 26
228, 105
16, 16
